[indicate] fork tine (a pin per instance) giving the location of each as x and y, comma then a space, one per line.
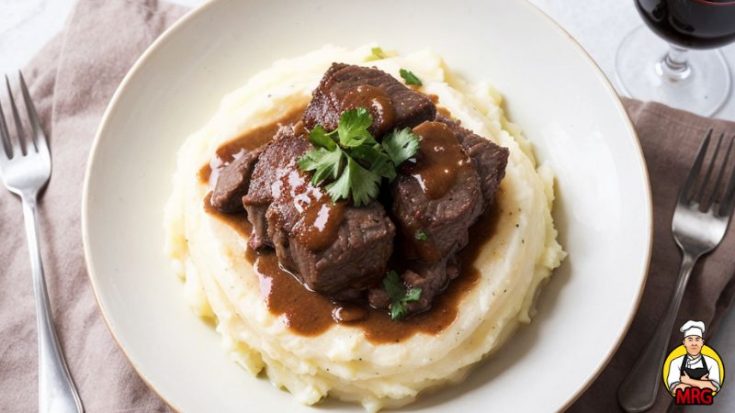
705, 181
19, 142
716, 196
728, 197
5, 136
32, 115
694, 172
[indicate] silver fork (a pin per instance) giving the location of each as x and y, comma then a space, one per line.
25, 166
696, 232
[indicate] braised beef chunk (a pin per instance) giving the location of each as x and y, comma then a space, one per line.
233, 181
275, 159
432, 279
355, 260
436, 199
489, 158
334, 248
391, 103
259, 236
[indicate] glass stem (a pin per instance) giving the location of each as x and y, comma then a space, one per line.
674, 66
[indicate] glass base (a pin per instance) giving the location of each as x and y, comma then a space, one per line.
702, 88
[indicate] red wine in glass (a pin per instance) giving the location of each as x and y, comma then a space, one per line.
660, 67
697, 24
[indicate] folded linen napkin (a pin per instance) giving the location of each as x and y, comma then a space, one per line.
669, 139
72, 80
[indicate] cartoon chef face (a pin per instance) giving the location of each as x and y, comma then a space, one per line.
693, 345
693, 333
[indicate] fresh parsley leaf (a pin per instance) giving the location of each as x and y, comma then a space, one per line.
376, 54
352, 163
410, 78
397, 311
353, 128
325, 164
399, 297
321, 138
421, 235
355, 181
413, 294
401, 145
373, 155
393, 286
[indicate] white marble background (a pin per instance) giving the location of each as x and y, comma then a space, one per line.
599, 25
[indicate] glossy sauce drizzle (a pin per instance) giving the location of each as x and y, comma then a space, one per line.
246, 142
374, 99
319, 218
440, 159
309, 314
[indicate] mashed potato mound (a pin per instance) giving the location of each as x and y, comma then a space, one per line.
341, 362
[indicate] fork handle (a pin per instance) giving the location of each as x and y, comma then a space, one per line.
56, 390
639, 389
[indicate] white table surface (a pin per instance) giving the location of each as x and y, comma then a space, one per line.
598, 25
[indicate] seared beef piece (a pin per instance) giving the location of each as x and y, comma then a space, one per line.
432, 279
355, 260
443, 221
378, 298
489, 158
275, 160
232, 183
345, 87
259, 236
334, 249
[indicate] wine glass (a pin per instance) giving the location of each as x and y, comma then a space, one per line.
664, 68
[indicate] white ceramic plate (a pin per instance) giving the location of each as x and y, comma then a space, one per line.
554, 91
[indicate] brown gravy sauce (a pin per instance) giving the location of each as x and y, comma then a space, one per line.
440, 160
238, 222
319, 217
248, 141
309, 313
374, 99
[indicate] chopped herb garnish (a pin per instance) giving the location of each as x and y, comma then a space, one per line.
401, 145
421, 235
319, 137
376, 54
410, 78
398, 294
355, 180
326, 164
350, 162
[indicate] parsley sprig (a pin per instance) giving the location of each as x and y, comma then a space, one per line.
410, 78
376, 53
399, 295
351, 162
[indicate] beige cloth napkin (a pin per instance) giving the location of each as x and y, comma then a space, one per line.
670, 139
72, 80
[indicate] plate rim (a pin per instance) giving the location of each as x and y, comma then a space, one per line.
190, 14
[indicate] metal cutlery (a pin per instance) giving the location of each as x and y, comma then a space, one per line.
25, 167
701, 217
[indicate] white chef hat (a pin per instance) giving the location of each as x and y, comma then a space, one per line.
693, 328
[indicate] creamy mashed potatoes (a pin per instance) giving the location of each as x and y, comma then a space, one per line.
341, 362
